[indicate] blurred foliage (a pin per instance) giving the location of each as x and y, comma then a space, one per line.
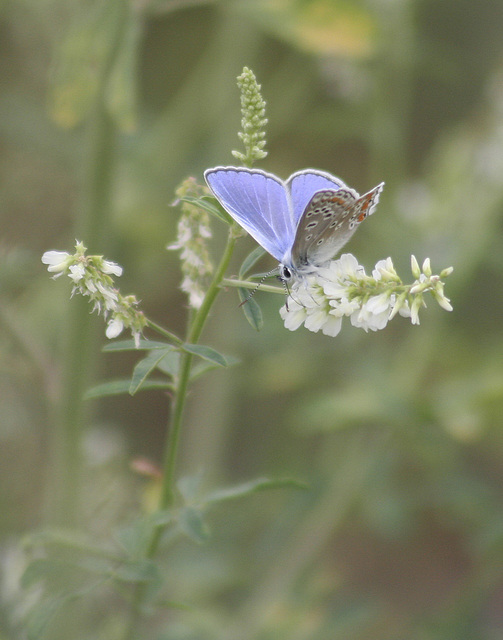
398, 434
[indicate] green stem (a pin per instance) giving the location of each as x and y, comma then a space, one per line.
164, 332
92, 224
247, 284
168, 490
168, 494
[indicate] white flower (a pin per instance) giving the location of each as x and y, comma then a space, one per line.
109, 296
114, 328
92, 277
385, 271
414, 309
332, 325
111, 268
344, 307
58, 261
379, 304
444, 302
345, 268
293, 316
427, 268
372, 315
192, 232
320, 300
77, 271
414, 267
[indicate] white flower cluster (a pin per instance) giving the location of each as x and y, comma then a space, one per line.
91, 276
320, 300
253, 119
192, 232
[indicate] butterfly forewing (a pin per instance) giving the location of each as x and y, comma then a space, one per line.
329, 220
258, 202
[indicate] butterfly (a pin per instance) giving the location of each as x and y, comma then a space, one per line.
302, 222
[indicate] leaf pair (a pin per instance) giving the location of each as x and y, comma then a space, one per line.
161, 357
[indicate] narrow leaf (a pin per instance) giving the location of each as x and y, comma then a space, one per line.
169, 363
162, 517
145, 367
69, 539
118, 387
251, 309
206, 203
174, 604
135, 537
138, 571
250, 260
190, 487
42, 614
129, 345
253, 486
191, 522
203, 367
207, 353
40, 569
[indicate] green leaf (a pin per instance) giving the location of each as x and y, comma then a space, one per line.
191, 522
137, 571
170, 363
143, 368
42, 613
118, 387
190, 487
250, 260
251, 309
253, 486
174, 604
203, 367
206, 203
40, 569
162, 517
76, 541
121, 90
207, 353
135, 537
129, 345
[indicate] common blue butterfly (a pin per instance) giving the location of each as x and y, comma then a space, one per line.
303, 222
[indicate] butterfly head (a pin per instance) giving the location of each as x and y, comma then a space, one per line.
285, 273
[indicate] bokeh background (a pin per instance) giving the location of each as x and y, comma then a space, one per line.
398, 434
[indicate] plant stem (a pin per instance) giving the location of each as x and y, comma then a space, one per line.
62, 495
168, 494
247, 284
164, 332
168, 490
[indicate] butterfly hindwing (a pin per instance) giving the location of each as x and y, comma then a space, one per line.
329, 221
303, 184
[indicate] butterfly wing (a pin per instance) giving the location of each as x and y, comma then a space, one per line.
329, 220
258, 201
302, 185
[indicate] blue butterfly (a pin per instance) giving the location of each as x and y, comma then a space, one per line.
302, 222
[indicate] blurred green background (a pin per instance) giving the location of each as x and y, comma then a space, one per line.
398, 434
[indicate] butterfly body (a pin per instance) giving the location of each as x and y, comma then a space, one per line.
302, 222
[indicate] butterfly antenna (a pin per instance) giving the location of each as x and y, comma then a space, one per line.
254, 291
287, 291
